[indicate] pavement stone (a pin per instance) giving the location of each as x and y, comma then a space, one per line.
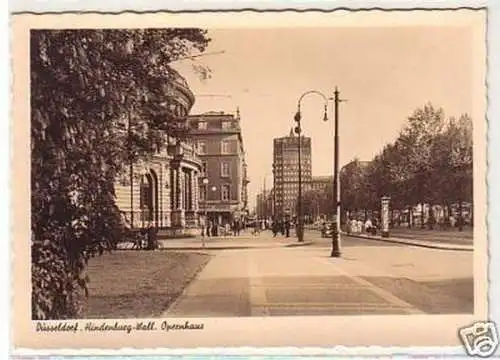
281, 281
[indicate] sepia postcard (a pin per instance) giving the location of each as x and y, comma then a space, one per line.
250, 179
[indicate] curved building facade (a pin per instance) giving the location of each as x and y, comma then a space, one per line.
163, 190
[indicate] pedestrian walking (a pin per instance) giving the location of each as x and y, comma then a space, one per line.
359, 226
368, 226
256, 230
233, 227
239, 226
151, 232
287, 228
274, 226
202, 230
209, 228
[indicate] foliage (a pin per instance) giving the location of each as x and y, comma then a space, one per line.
87, 88
430, 162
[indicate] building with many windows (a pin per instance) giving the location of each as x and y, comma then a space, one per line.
286, 171
321, 183
223, 181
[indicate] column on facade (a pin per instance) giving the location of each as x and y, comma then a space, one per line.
194, 190
180, 192
173, 189
187, 190
166, 196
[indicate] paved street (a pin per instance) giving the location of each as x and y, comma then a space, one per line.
372, 277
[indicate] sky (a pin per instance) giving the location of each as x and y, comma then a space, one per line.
384, 73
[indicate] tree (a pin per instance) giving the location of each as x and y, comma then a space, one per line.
455, 163
353, 187
414, 146
84, 84
312, 202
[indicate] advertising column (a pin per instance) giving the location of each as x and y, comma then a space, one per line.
384, 216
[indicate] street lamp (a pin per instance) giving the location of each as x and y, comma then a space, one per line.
336, 179
205, 183
336, 189
298, 131
274, 192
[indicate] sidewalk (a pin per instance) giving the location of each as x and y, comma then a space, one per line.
465, 237
433, 244
244, 241
284, 282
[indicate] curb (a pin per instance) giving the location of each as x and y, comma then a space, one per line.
223, 247
194, 248
299, 244
200, 248
412, 243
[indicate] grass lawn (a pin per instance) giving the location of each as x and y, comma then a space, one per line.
139, 284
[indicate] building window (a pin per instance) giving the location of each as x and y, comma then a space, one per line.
202, 147
204, 168
226, 125
225, 193
225, 147
224, 169
202, 125
203, 192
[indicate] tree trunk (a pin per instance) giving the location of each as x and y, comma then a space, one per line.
431, 220
410, 217
447, 213
422, 225
460, 217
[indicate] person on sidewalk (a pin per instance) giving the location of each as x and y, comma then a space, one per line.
368, 226
274, 227
256, 230
233, 227
151, 233
209, 228
360, 226
282, 227
202, 230
239, 226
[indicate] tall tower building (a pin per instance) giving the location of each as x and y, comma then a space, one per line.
286, 171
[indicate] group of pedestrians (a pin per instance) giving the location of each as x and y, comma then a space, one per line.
210, 228
281, 226
358, 226
146, 238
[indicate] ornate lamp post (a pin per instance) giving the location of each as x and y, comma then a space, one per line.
298, 131
336, 189
274, 192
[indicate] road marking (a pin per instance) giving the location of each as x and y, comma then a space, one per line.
257, 290
384, 294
